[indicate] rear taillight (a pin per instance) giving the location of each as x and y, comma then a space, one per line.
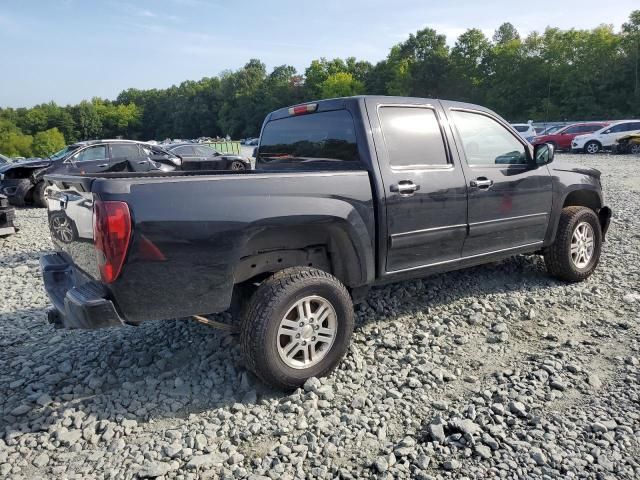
302, 109
111, 235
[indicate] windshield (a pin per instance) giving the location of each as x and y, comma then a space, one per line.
521, 128
63, 153
554, 129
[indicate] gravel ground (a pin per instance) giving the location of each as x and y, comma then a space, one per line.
494, 371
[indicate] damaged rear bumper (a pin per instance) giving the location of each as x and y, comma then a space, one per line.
78, 301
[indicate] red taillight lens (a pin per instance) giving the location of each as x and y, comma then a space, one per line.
111, 235
302, 109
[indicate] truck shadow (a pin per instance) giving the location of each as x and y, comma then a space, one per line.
170, 369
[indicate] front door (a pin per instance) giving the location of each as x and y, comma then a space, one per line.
93, 159
509, 195
425, 192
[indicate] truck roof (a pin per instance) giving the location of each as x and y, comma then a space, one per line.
338, 102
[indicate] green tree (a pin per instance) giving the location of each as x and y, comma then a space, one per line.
341, 84
47, 142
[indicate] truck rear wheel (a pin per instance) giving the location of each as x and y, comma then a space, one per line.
575, 253
298, 325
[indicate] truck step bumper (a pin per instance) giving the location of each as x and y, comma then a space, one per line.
78, 301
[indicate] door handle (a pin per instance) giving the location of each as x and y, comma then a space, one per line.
405, 188
103, 165
481, 182
142, 162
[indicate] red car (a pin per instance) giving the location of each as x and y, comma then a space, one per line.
561, 139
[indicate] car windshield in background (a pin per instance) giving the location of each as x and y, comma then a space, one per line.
318, 137
4, 159
521, 128
63, 153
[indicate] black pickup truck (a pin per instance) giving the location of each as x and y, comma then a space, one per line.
347, 193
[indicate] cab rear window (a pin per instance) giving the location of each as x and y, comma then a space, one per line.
312, 141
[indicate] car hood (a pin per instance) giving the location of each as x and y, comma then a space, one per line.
25, 164
570, 167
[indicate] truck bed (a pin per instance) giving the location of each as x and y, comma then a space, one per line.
216, 229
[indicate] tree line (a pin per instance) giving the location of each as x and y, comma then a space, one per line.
555, 75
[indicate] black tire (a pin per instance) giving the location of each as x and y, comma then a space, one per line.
237, 165
634, 149
592, 147
39, 199
557, 257
268, 306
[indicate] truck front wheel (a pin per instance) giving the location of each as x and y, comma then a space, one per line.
298, 325
575, 253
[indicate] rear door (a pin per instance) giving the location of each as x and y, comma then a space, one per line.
425, 192
509, 196
127, 157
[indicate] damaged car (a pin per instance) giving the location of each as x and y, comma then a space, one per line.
23, 183
628, 144
197, 156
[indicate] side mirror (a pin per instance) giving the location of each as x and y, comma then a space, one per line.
543, 153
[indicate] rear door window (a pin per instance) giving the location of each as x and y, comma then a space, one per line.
125, 150
320, 140
412, 136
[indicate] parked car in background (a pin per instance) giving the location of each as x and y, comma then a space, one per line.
197, 156
550, 129
23, 182
627, 144
604, 138
561, 139
4, 159
526, 130
352, 193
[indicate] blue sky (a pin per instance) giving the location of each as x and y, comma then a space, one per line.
68, 50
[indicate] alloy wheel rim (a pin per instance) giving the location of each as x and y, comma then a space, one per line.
307, 332
63, 229
635, 149
592, 148
582, 245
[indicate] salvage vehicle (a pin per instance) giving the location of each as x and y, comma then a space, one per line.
196, 156
347, 193
561, 139
23, 183
605, 138
627, 144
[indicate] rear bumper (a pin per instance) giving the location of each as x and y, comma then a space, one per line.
78, 301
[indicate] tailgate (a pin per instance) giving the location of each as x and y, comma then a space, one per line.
70, 212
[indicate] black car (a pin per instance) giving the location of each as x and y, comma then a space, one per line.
23, 182
198, 156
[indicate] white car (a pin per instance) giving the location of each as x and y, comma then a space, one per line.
604, 138
526, 130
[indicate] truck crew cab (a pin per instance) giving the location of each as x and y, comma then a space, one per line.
347, 193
